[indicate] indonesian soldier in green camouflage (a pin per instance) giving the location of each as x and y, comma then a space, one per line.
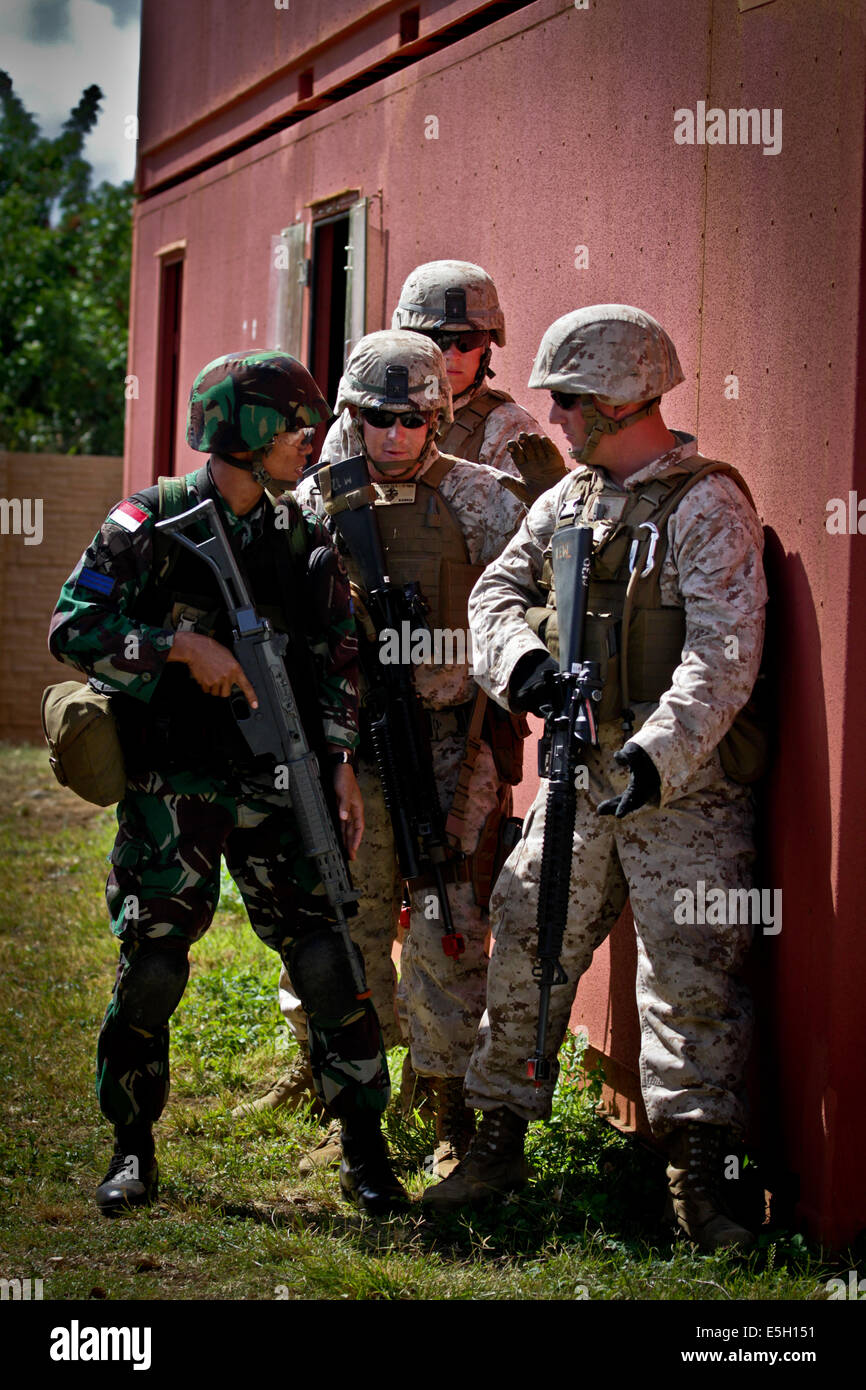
677, 586
144, 620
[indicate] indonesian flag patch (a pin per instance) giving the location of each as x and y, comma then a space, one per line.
128, 515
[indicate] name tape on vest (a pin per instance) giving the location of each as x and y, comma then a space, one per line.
393, 494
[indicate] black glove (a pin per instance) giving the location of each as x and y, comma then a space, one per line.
644, 786
530, 686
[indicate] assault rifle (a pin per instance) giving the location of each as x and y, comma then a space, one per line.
569, 728
398, 720
274, 730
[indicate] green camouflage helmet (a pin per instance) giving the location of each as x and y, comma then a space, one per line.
450, 295
394, 370
240, 402
614, 352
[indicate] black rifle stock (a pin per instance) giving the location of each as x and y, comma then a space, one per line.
569, 728
398, 725
274, 730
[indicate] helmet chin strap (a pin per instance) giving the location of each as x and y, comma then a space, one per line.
255, 466
483, 367
598, 424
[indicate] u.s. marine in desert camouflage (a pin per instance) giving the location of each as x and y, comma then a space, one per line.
441, 998
673, 816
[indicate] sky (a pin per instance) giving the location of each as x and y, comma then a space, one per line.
53, 49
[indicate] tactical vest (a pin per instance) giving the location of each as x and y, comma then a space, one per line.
629, 548
466, 434
181, 727
424, 542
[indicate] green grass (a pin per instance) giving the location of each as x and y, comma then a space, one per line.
234, 1220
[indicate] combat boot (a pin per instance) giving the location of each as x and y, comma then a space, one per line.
696, 1154
132, 1179
455, 1125
366, 1176
415, 1090
326, 1153
294, 1088
493, 1166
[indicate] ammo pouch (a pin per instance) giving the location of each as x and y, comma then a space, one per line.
505, 734
656, 637
500, 834
83, 745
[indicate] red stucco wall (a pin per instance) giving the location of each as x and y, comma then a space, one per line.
556, 130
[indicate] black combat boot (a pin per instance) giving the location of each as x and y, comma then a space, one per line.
132, 1177
696, 1179
366, 1176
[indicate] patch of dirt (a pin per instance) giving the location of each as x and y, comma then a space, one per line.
39, 805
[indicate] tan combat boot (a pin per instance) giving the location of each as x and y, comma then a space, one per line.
455, 1125
696, 1181
326, 1154
415, 1090
294, 1088
493, 1166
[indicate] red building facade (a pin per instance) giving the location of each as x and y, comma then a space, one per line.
296, 161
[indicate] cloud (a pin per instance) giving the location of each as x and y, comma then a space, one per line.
50, 74
48, 21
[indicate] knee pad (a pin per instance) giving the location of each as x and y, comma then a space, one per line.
152, 988
321, 974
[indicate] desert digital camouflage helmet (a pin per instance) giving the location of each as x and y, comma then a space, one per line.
240, 402
610, 353
450, 295
396, 371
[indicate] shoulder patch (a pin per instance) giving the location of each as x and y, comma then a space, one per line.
128, 515
92, 579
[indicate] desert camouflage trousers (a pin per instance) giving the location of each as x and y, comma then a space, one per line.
694, 1010
162, 893
439, 1000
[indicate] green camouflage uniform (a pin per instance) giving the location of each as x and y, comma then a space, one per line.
176, 821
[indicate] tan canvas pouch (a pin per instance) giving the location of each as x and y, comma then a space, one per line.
83, 747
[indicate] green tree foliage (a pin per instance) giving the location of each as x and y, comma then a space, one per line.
64, 287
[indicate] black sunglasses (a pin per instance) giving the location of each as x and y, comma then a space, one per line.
566, 400
384, 419
464, 342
